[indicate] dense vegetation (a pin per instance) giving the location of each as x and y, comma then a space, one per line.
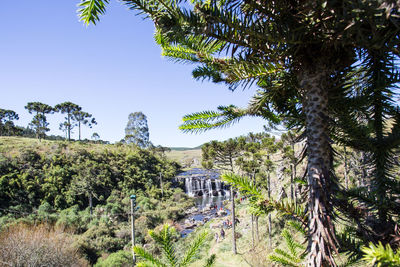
84, 190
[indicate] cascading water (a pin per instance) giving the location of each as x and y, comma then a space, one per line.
202, 187
218, 186
199, 182
198, 188
188, 185
209, 187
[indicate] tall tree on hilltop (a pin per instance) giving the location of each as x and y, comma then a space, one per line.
83, 118
136, 130
95, 136
67, 108
39, 121
6, 121
313, 41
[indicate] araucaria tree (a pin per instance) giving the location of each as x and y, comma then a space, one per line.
69, 109
314, 42
39, 121
137, 131
6, 121
83, 118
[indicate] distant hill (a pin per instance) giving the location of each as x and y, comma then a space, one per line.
184, 148
187, 157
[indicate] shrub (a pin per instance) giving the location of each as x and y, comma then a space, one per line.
121, 258
23, 245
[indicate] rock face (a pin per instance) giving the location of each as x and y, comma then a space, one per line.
201, 182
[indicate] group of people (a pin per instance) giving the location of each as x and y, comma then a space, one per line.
225, 224
221, 235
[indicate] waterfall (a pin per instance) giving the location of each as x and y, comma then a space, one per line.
198, 188
209, 187
189, 186
199, 182
218, 186
202, 187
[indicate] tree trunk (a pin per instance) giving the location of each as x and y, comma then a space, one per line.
252, 215
79, 127
252, 231
321, 239
69, 127
233, 222
257, 232
90, 204
269, 215
291, 182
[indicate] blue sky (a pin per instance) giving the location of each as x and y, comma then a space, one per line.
110, 70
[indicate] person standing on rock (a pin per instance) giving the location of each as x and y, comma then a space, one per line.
216, 237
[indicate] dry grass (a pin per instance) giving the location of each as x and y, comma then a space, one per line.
23, 245
14, 146
188, 158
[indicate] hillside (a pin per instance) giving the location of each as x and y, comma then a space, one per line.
10, 145
190, 158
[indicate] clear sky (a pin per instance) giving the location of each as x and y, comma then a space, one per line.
110, 70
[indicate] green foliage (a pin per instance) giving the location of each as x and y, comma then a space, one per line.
243, 184
202, 121
84, 118
120, 258
137, 131
290, 256
99, 238
379, 255
164, 240
66, 179
222, 155
7, 126
69, 109
89, 10
261, 203
39, 121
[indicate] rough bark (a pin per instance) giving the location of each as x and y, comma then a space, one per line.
322, 241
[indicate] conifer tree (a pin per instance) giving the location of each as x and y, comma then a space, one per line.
83, 118
39, 121
6, 121
137, 131
69, 109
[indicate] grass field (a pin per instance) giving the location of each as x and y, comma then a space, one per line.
187, 158
12, 146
